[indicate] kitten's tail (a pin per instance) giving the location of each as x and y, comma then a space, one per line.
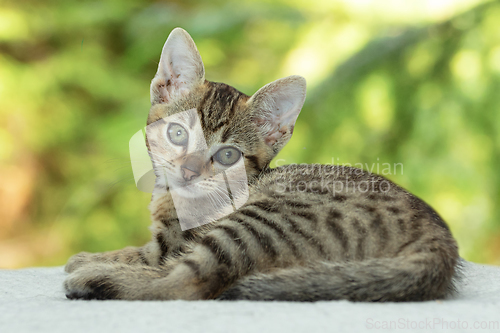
417, 277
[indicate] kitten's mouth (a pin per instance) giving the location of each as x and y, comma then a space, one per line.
187, 189
181, 183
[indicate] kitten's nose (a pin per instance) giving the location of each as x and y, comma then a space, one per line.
188, 174
191, 167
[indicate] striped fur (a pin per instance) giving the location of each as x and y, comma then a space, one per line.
306, 233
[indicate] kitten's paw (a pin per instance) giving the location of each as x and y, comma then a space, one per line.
91, 283
78, 260
113, 281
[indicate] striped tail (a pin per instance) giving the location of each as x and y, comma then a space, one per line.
418, 277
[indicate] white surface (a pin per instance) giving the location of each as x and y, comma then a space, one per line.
33, 300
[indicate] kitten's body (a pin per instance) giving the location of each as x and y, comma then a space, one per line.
306, 233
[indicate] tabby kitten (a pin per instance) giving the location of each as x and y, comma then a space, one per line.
306, 233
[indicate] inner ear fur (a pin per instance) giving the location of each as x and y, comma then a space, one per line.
276, 107
180, 68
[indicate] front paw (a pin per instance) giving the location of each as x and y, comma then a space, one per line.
91, 283
113, 281
78, 260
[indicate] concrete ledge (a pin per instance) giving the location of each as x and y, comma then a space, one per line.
33, 300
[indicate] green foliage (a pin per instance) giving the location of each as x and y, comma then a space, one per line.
386, 85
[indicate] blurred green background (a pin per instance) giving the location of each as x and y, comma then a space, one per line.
415, 82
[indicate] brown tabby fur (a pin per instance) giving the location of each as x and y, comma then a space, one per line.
290, 241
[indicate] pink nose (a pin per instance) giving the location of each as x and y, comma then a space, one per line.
188, 174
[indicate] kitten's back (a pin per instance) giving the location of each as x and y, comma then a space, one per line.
382, 244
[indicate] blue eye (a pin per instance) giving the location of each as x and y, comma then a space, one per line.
177, 134
227, 156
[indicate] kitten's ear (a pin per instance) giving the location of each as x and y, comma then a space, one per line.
180, 68
276, 107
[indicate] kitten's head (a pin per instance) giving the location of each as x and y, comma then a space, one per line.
199, 128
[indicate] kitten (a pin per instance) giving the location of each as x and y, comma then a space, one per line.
304, 233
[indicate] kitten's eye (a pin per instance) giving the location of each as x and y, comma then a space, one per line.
177, 134
227, 156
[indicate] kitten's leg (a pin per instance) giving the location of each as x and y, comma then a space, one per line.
165, 242
182, 278
167, 239
130, 255
215, 263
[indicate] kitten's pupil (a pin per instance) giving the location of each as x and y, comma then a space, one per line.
229, 154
